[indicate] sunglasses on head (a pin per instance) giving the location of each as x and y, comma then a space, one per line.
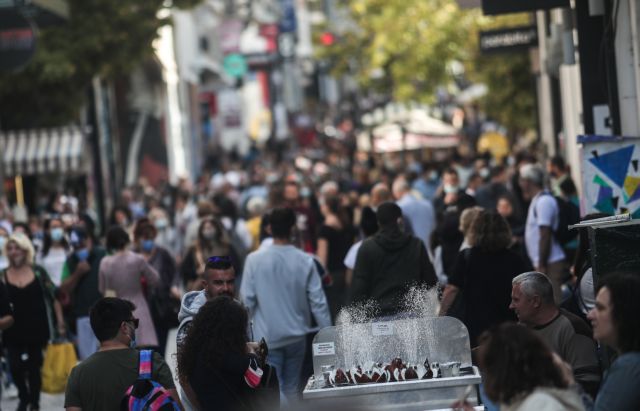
217, 262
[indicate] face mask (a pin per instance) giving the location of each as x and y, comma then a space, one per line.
450, 189
209, 234
484, 172
147, 245
161, 224
57, 234
132, 343
82, 254
433, 176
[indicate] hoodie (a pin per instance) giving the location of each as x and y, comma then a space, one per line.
387, 265
547, 399
191, 303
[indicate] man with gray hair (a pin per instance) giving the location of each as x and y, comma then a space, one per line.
565, 333
543, 218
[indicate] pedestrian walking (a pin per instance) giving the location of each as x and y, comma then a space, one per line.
37, 317
164, 298
121, 275
543, 249
217, 364
389, 263
80, 282
99, 383
482, 276
281, 289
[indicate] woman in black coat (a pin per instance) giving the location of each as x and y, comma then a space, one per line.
483, 275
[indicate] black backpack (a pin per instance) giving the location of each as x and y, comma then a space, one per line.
568, 214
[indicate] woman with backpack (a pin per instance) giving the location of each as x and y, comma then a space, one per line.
31, 295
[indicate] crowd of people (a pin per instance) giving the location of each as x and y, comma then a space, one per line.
273, 250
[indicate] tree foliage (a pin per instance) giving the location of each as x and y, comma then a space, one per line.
106, 38
404, 47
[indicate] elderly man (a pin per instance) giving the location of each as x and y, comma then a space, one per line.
566, 334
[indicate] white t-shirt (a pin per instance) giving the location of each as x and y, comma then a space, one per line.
53, 262
587, 293
545, 214
350, 258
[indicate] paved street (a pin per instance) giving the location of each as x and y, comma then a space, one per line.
48, 402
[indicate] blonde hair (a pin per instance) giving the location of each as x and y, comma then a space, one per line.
466, 218
23, 242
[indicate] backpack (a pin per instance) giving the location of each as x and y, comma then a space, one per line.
568, 214
146, 394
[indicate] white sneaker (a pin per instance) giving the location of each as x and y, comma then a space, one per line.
10, 392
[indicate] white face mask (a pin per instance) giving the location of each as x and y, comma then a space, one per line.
450, 189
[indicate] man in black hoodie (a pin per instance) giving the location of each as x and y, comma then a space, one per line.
389, 263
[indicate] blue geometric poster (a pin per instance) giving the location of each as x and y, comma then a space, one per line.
610, 175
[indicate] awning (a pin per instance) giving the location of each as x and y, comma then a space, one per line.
29, 152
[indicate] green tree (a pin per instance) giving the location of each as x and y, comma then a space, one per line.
511, 99
106, 38
403, 48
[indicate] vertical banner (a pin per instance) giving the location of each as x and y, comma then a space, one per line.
610, 175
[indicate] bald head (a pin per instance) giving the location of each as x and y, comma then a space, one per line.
400, 187
380, 194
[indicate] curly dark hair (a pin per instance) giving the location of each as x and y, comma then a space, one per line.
490, 232
117, 238
624, 288
219, 328
514, 362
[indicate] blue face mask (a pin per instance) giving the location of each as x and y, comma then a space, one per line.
82, 254
147, 245
57, 234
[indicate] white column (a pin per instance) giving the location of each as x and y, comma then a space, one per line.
626, 48
545, 102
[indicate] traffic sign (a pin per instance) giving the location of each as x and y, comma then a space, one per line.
235, 65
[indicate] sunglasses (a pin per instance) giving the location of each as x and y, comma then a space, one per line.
219, 259
134, 321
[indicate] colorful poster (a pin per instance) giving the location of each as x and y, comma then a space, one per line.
610, 175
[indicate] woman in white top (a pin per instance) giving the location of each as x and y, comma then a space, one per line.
55, 249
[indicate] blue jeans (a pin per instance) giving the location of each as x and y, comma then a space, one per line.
288, 361
87, 341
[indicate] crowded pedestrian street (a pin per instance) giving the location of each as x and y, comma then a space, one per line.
261, 205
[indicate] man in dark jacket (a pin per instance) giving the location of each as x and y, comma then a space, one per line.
389, 263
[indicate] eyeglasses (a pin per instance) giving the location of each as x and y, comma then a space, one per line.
134, 321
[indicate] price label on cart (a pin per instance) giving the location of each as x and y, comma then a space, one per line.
379, 329
326, 348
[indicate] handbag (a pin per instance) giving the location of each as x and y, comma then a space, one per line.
59, 360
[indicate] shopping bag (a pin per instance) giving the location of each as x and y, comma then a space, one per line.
59, 359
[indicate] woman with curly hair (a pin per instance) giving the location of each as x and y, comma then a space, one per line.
483, 274
521, 373
217, 366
